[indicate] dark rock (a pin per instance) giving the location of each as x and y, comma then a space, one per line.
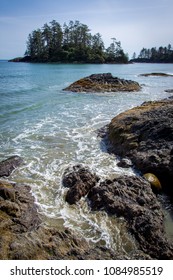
169, 90
52, 244
10, 208
103, 83
125, 163
79, 180
20, 207
145, 135
102, 132
7, 191
156, 74
26, 58
129, 197
24, 236
133, 199
8, 165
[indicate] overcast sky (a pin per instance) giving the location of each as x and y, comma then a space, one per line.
136, 23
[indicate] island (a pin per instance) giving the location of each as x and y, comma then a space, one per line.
70, 43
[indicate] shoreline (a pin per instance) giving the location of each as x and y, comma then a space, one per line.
138, 254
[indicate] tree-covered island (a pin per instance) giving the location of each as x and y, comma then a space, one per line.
70, 43
74, 43
154, 55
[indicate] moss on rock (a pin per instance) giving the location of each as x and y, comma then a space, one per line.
154, 181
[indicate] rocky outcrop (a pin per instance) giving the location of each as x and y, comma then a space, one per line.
26, 58
103, 83
8, 165
131, 198
169, 90
144, 134
156, 74
16, 201
79, 180
24, 236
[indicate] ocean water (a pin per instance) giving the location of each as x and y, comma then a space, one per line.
53, 129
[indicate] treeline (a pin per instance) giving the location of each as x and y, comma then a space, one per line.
72, 42
155, 55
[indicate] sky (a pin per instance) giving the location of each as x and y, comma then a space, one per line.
135, 23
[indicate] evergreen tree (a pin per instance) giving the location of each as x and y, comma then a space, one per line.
154, 55
35, 45
47, 39
71, 43
115, 53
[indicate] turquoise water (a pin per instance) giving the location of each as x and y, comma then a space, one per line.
52, 129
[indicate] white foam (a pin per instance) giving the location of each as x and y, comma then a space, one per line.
63, 132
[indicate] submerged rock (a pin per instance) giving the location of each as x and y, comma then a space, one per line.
145, 135
8, 165
103, 83
156, 74
169, 90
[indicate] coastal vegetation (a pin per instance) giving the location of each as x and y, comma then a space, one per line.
72, 42
155, 55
